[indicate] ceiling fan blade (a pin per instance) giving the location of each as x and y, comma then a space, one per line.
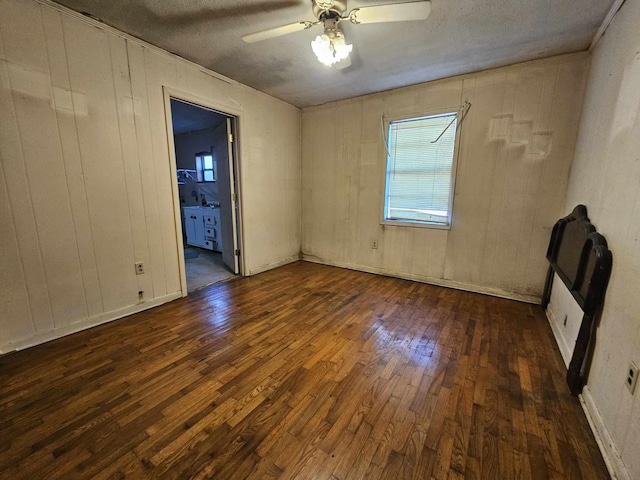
277, 31
398, 12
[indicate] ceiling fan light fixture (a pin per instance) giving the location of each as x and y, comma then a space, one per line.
330, 49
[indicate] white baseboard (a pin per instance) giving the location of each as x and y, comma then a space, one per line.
42, 337
270, 266
610, 454
565, 351
38, 338
612, 458
467, 287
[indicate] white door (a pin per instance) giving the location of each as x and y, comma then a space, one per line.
228, 205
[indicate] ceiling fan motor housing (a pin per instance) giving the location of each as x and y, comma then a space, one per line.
324, 8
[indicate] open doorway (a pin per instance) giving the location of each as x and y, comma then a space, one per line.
206, 187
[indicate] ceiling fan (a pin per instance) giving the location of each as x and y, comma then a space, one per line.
331, 47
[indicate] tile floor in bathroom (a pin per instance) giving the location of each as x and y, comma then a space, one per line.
206, 269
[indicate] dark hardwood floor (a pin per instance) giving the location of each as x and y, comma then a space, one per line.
306, 371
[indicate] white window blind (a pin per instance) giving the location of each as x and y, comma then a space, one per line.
420, 173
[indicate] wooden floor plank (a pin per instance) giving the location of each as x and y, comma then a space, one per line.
305, 371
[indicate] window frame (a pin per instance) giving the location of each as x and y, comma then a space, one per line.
387, 121
200, 168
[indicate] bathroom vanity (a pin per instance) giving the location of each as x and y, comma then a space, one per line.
202, 226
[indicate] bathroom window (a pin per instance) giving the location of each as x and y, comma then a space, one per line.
206, 167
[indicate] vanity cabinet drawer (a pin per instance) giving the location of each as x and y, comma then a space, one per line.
202, 227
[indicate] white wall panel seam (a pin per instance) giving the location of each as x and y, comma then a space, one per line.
466, 127
500, 152
156, 156
84, 184
456, 186
488, 253
536, 219
3, 66
155, 178
529, 158
152, 178
537, 127
28, 193
64, 168
553, 108
15, 236
137, 128
301, 177
508, 166
123, 159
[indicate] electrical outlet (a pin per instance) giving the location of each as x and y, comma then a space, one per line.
374, 244
141, 295
139, 268
632, 377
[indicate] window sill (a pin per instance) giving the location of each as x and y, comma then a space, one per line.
397, 223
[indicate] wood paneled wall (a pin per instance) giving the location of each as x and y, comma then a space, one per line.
86, 183
605, 176
515, 154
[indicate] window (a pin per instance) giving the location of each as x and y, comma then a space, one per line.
421, 170
206, 167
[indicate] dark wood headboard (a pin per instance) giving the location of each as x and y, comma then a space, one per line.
578, 254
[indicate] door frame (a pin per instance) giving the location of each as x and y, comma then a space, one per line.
236, 114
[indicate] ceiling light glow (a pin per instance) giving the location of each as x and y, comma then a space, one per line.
331, 47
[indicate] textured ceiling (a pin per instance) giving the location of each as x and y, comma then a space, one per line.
460, 36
